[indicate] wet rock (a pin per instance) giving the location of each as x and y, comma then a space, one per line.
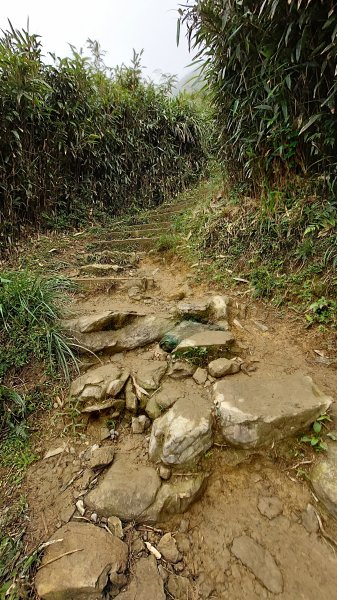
152, 409
215, 343
174, 498
98, 383
181, 369
81, 575
270, 506
179, 587
109, 319
115, 526
200, 376
143, 331
149, 377
259, 561
183, 433
125, 491
256, 411
168, 548
224, 366
146, 583
324, 480
309, 519
164, 472
101, 457
140, 424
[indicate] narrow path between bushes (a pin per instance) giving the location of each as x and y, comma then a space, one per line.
174, 468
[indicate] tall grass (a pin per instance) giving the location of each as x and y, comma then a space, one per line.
77, 137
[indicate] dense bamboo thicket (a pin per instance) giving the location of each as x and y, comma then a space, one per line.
271, 66
77, 137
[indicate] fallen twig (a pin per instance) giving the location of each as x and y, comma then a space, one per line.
61, 556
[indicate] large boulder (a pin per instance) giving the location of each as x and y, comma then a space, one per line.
83, 561
146, 583
174, 498
183, 433
324, 480
126, 491
143, 331
257, 411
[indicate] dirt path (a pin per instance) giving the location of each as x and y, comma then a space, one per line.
249, 534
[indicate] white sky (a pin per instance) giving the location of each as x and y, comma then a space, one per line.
119, 25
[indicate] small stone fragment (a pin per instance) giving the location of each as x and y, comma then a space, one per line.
270, 506
259, 561
224, 366
168, 548
116, 527
80, 507
181, 369
163, 573
164, 472
131, 400
137, 546
140, 424
101, 457
152, 409
200, 376
93, 517
179, 587
309, 519
146, 583
149, 377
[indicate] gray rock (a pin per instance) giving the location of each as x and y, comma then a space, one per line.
143, 331
131, 400
181, 369
179, 587
216, 343
125, 491
149, 377
101, 457
200, 376
183, 433
220, 307
198, 309
146, 583
164, 472
166, 396
324, 480
167, 547
115, 526
270, 506
174, 498
152, 409
224, 366
110, 319
184, 330
309, 519
118, 404
140, 424
98, 383
81, 575
256, 411
260, 562
100, 270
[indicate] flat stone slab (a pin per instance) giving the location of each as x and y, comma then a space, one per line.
107, 320
146, 583
126, 491
259, 410
324, 480
143, 331
183, 433
83, 561
208, 309
175, 498
216, 343
259, 561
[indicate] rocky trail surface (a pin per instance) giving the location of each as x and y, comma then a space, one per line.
183, 481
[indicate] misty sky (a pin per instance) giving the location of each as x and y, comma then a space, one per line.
119, 25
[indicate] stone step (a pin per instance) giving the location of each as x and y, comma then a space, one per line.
126, 282
143, 227
127, 232
139, 243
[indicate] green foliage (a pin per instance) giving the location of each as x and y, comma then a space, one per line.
78, 139
271, 69
166, 242
29, 316
196, 356
315, 438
